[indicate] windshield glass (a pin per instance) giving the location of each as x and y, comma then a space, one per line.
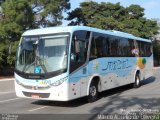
42, 54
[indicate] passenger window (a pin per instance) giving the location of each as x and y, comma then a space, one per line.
97, 46
144, 48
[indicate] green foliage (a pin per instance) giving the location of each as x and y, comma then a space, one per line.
2, 50
16, 16
12, 52
114, 17
48, 12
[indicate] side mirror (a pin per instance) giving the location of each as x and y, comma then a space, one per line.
72, 57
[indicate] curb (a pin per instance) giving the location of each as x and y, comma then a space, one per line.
155, 68
7, 79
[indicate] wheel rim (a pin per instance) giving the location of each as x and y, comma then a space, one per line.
93, 91
137, 81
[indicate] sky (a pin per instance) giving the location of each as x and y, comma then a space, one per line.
152, 7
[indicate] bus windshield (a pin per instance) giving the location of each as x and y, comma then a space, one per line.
42, 54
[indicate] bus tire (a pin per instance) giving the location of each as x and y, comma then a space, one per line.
137, 81
93, 91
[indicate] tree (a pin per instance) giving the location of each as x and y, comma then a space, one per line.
113, 17
17, 16
48, 12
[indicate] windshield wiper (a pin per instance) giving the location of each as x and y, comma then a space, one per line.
37, 59
25, 69
42, 65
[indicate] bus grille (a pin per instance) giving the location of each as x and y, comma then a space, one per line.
35, 87
41, 95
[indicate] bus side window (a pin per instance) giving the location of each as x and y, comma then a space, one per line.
93, 51
99, 46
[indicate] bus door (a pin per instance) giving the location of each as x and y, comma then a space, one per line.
78, 66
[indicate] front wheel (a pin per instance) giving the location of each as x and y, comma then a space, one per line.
137, 81
93, 92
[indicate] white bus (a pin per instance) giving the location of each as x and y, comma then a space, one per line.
65, 63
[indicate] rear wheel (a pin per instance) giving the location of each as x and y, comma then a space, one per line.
137, 81
93, 91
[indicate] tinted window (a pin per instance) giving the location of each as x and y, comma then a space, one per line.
144, 49
96, 46
100, 46
106, 45
113, 43
103, 45
79, 47
125, 47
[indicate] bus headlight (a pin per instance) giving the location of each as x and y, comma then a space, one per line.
59, 82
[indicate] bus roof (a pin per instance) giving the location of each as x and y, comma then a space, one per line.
52, 30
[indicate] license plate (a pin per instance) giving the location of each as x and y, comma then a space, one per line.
35, 96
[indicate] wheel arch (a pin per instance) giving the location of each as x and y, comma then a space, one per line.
96, 78
137, 71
